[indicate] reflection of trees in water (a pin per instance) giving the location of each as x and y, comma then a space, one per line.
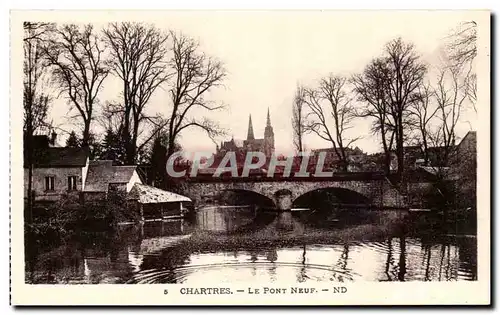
467, 255
430, 258
402, 258
440, 262
301, 275
427, 261
253, 259
389, 265
272, 256
340, 270
446, 268
443, 250
342, 263
437, 260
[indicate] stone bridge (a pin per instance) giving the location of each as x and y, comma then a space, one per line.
374, 187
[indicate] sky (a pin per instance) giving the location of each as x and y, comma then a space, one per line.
267, 54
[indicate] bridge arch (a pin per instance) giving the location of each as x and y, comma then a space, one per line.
331, 195
239, 196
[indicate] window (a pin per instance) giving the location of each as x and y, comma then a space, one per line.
72, 182
49, 182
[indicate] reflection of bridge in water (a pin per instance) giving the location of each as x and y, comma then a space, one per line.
373, 188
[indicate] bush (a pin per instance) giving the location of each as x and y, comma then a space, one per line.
117, 208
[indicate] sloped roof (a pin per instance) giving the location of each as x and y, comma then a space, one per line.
433, 170
471, 134
102, 173
60, 157
148, 194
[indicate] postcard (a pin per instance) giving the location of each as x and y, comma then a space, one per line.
250, 157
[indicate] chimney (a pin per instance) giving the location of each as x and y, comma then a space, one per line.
53, 137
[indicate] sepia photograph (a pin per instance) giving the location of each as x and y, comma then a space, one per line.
243, 153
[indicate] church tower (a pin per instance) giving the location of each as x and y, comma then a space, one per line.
250, 135
268, 137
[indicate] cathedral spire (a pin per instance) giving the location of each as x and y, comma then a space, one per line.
250, 135
268, 123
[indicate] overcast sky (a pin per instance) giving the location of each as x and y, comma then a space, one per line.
267, 54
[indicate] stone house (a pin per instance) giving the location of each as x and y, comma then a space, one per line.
57, 171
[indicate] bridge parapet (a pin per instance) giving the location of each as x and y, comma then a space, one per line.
377, 189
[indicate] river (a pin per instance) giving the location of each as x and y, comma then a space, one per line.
241, 244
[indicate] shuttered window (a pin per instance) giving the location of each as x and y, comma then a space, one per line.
71, 182
49, 182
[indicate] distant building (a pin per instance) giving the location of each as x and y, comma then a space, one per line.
467, 149
464, 166
251, 144
356, 158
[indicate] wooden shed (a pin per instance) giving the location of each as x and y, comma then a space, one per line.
154, 203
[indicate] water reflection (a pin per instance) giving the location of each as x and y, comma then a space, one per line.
225, 218
244, 245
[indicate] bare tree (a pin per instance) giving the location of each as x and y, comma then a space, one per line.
138, 58
450, 94
35, 97
405, 73
298, 119
423, 112
111, 116
330, 101
461, 48
195, 75
76, 53
372, 89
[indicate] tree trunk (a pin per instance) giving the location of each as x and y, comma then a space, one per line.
426, 150
387, 162
30, 178
86, 134
129, 151
399, 147
132, 144
387, 153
